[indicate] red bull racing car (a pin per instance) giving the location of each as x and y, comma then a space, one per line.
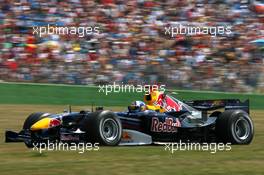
161, 118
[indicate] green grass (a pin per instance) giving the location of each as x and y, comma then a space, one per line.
17, 101
81, 95
15, 158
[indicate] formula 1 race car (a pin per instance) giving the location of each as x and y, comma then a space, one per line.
163, 119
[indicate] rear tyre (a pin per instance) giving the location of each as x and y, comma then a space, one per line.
103, 127
235, 126
33, 118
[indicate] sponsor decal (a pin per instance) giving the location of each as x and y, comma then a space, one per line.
168, 103
167, 126
217, 103
126, 137
69, 137
54, 122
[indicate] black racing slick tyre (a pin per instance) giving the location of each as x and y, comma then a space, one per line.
235, 126
33, 118
103, 127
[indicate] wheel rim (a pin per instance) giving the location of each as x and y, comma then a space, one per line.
109, 130
242, 129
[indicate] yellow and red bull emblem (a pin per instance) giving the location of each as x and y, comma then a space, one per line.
45, 123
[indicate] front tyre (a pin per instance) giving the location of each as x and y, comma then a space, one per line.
235, 126
33, 118
103, 127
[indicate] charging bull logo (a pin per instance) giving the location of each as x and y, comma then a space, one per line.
167, 126
168, 103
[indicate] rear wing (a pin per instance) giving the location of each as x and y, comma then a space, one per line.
227, 104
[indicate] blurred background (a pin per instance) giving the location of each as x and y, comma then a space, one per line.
132, 47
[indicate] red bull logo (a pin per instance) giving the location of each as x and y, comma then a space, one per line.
54, 122
167, 126
168, 103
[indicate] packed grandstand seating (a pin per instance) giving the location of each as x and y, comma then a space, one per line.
131, 47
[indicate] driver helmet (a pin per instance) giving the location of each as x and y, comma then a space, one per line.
137, 106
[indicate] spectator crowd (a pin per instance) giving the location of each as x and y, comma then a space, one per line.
131, 47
